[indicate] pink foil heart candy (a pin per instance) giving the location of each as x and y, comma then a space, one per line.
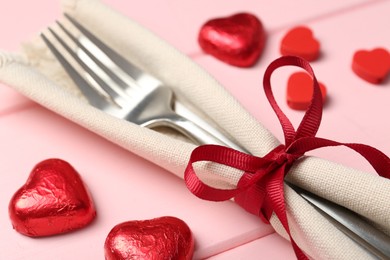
237, 40
53, 200
159, 238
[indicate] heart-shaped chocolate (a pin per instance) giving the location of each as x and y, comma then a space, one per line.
53, 200
237, 40
372, 66
159, 238
300, 41
300, 91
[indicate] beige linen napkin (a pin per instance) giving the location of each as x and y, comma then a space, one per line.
37, 75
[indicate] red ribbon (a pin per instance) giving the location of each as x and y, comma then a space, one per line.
260, 189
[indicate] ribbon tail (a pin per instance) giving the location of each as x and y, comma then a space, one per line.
378, 160
275, 191
253, 198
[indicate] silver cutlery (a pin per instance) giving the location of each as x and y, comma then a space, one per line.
114, 85
124, 91
351, 224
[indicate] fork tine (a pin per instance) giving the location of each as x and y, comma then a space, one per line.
127, 76
115, 57
114, 95
88, 91
109, 72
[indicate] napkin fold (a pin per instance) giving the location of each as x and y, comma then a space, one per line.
36, 74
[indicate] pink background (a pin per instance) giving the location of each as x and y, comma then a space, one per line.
126, 187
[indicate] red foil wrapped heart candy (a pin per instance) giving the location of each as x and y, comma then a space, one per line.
53, 200
159, 238
237, 40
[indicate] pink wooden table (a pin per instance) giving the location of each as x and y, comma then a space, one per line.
126, 187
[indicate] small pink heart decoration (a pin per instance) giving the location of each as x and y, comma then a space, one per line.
372, 66
300, 91
300, 41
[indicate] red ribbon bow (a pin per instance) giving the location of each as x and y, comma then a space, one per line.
260, 189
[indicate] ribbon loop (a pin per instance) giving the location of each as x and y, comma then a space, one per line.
260, 189
312, 118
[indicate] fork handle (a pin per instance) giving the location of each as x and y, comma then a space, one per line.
200, 134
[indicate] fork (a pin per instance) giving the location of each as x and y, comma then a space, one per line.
116, 86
